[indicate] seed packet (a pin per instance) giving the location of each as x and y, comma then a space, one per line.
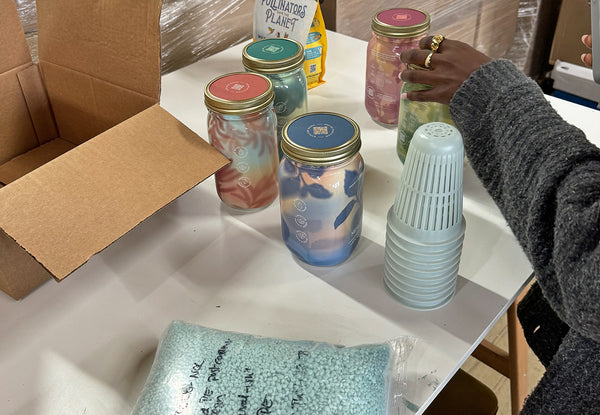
300, 20
199, 370
315, 51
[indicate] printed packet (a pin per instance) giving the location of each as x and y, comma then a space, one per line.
300, 20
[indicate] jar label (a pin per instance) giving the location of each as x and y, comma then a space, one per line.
320, 131
272, 49
401, 17
239, 86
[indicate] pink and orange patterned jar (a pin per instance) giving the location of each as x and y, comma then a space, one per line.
394, 30
242, 125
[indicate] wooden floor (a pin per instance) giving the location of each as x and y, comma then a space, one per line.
498, 383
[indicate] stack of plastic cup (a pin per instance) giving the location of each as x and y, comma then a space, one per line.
425, 226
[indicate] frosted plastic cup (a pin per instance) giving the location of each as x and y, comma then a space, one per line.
430, 251
412, 283
432, 263
425, 300
428, 204
423, 255
401, 273
403, 238
402, 269
411, 296
424, 266
419, 305
430, 282
421, 261
422, 292
425, 224
417, 287
425, 284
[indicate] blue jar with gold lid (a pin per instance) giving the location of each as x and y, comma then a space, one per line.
320, 187
281, 60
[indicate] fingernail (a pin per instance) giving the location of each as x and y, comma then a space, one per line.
403, 96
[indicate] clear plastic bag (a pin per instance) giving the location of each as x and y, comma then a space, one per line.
198, 370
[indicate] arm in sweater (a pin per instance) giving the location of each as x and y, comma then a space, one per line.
545, 177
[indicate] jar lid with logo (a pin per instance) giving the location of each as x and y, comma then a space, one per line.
239, 93
276, 55
321, 139
400, 22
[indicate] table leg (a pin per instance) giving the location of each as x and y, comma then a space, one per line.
511, 363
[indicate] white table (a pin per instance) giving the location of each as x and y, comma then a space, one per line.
85, 346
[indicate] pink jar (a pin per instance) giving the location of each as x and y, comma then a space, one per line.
394, 30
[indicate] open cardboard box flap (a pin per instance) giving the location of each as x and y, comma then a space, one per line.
86, 152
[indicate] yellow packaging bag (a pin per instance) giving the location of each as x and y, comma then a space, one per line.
315, 51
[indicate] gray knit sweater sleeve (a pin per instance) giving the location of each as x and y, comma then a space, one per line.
545, 177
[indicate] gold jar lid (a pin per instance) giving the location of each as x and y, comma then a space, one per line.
400, 22
320, 139
239, 93
273, 55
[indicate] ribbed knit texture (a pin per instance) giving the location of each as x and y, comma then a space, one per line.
545, 177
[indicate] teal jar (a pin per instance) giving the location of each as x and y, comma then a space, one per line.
281, 60
413, 114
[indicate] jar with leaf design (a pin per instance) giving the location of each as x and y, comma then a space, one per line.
242, 125
321, 184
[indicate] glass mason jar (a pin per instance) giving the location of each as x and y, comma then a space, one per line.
394, 30
413, 114
243, 126
321, 181
280, 60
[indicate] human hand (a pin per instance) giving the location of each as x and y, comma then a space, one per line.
586, 58
449, 67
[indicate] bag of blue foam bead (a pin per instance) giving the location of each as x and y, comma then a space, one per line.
200, 370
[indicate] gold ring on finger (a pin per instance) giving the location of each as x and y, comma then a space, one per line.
436, 41
428, 60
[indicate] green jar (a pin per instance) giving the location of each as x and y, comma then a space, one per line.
413, 114
281, 60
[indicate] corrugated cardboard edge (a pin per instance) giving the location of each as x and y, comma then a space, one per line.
20, 273
103, 206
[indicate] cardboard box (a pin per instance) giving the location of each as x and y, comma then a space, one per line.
86, 152
574, 21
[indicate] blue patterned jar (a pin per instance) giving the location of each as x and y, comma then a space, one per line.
321, 181
281, 60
